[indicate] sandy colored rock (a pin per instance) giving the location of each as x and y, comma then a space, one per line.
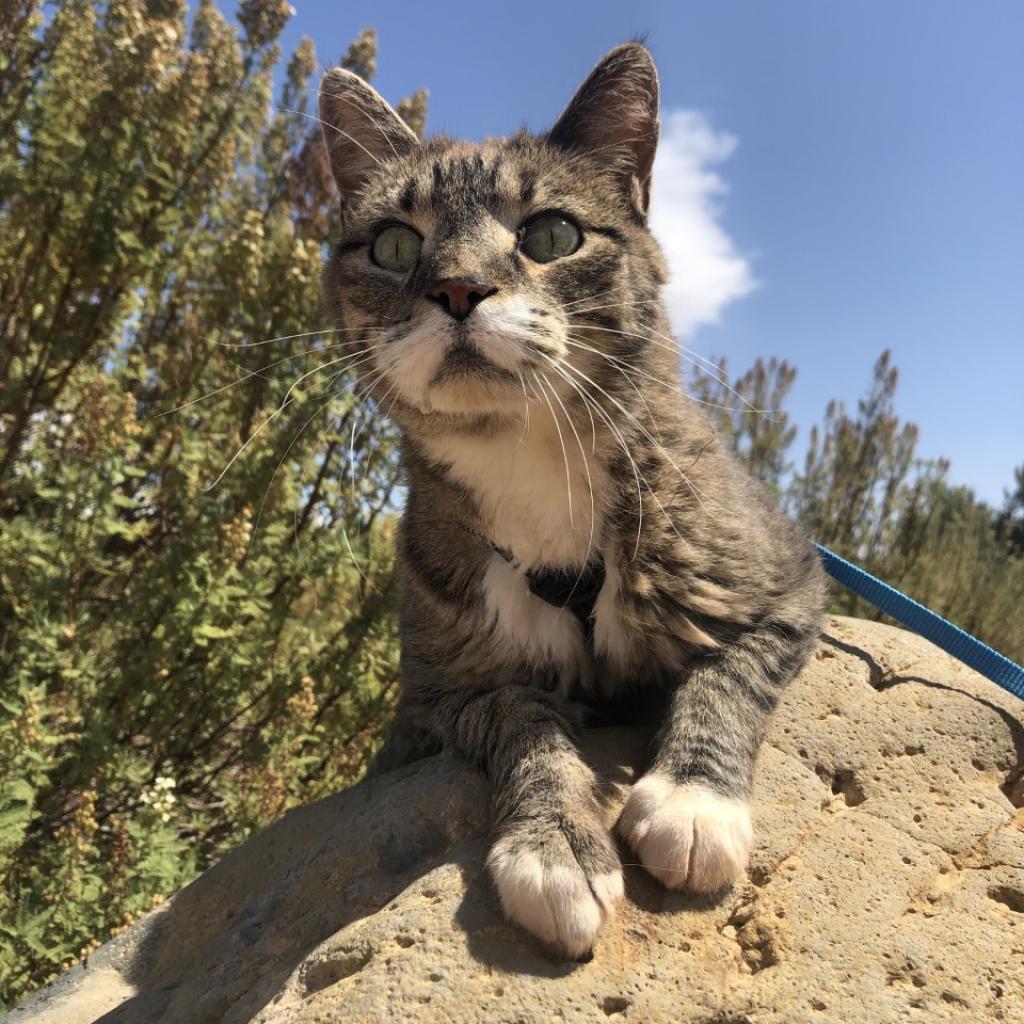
887, 884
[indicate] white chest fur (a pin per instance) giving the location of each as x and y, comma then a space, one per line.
543, 636
540, 490
541, 498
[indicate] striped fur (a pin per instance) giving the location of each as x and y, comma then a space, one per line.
547, 428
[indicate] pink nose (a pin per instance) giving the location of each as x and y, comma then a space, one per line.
460, 296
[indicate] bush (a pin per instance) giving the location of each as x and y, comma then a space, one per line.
184, 652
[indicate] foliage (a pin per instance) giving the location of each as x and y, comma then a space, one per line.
863, 492
750, 412
182, 657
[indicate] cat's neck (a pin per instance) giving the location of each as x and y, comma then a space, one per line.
540, 486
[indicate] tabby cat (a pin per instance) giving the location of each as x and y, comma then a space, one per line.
575, 532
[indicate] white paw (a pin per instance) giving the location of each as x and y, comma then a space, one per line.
687, 836
552, 897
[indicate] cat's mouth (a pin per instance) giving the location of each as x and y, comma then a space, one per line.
463, 360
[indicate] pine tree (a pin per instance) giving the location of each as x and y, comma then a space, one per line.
863, 491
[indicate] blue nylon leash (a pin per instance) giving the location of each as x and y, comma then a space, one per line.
933, 627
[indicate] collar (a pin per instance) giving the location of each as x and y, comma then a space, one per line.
566, 588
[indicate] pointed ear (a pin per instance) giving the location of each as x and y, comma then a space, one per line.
614, 117
360, 129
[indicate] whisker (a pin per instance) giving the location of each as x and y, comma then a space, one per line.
380, 406
313, 117
352, 462
565, 455
290, 337
586, 298
277, 469
367, 389
590, 484
624, 369
249, 374
303, 561
284, 404
630, 370
672, 345
617, 434
639, 476
376, 124
682, 476
526, 411
367, 356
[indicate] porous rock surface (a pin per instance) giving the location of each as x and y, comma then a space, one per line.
886, 884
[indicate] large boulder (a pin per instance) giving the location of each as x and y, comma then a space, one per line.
887, 884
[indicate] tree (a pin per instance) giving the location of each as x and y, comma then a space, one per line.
854, 469
196, 591
750, 412
1011, 519
862, 491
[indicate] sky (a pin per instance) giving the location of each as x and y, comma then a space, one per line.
833, 179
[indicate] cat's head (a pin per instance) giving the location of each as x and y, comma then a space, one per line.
473, 274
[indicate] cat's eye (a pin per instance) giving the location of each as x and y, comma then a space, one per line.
549, 237
397, 248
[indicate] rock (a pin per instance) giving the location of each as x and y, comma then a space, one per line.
887, 884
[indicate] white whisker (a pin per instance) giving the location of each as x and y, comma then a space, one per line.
277, 469
313, 117
626, 371
565, 455
682, 476
672, 345
526, 411
291, 337
617, 434
284, 404
590, 485
249, 374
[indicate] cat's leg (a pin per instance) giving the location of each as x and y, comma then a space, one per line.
688, 818
553, 861
407, 741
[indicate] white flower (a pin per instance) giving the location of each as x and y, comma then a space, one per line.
160, 798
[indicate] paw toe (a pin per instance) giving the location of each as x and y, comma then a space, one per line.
555, 901
686, 835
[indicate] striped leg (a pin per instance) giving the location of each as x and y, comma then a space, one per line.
553, 861
688, 818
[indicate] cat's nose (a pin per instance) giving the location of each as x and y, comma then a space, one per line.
459, 296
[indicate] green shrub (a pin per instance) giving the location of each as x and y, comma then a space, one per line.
183, 655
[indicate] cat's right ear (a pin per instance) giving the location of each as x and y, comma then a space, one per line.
360, 129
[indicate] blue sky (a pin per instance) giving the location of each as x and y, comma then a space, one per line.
849, 177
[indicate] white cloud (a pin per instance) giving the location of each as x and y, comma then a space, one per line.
705, 270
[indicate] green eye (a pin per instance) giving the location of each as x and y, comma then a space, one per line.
397, 248
549, 237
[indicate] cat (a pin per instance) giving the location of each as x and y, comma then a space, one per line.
574, 530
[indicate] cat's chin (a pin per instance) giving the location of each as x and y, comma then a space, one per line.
471, 396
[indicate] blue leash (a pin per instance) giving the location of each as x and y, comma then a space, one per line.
933, 627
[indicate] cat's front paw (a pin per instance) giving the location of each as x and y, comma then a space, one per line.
686, 835
559, 883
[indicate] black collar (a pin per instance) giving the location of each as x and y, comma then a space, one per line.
566, 588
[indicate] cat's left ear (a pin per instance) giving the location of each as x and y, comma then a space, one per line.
614, 117
360, 129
